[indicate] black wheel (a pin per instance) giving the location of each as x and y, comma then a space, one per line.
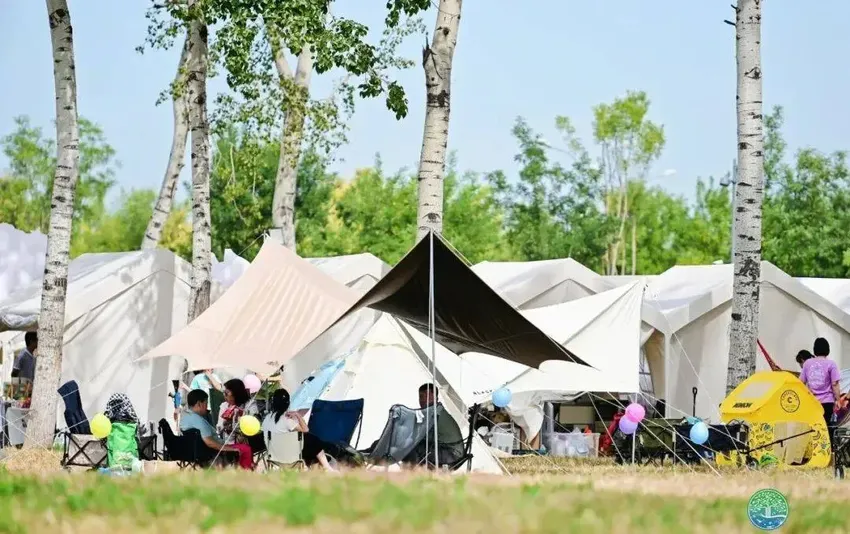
839, 472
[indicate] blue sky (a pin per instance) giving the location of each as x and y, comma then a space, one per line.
552, 57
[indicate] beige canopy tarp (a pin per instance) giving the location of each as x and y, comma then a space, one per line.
268, 315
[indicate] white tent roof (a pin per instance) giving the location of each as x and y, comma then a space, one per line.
360, 271
684, 293
23, 258
387, 369
835, 290
229, 269
119, 305
271, 313
536, 284
23, 261
532, 284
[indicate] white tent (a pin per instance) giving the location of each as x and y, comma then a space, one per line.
229, 269
387, 368
23, 259
535, 284
605, 327
358, 271
119, 305
835, 290
696, 302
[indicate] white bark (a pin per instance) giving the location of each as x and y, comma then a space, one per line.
42, 416
437, 62
297, 87
199, 125
749, 190
176, 158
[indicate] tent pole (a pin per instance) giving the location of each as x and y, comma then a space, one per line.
432, 331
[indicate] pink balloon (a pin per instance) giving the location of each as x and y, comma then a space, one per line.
635, 412
252, 383
627, 426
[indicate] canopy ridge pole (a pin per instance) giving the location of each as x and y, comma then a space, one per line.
433, 334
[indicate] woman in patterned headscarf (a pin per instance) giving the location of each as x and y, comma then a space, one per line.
119, 409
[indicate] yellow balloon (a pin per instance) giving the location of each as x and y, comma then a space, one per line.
249, 425
100, 425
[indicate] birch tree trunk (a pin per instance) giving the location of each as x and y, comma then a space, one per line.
437, 62
176, 158
197, 101
51, 320
297, 88
743, 333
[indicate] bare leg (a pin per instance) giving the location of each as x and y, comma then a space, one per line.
323, 460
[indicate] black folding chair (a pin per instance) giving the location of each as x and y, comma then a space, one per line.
189, 450
80, 448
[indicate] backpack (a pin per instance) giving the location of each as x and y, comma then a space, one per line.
121, 445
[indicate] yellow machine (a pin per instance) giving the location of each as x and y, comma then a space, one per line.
776, 406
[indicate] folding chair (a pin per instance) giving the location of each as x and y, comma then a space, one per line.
189, 449
80, 448
335, 421
283, 450
447, 449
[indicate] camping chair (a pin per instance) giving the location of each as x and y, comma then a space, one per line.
466, 457
189, 449
722, 439
335, 421
80, 448
283, 450
403, 440
840, 450
654, 441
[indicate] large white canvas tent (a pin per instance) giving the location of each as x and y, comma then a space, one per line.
536, 284
118, 306
605, 326
696, 302
386, 368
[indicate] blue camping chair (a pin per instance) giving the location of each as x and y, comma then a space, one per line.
335, 421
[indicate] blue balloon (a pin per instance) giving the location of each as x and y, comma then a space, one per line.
501, 397
699, 433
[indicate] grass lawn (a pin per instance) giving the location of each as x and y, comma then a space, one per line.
554, 497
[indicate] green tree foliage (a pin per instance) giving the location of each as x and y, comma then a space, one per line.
806, 209
629, 143
25, 193
553, 211
32, 163
372, 212
242, 186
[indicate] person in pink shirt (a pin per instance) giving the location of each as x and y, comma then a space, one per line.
821, 377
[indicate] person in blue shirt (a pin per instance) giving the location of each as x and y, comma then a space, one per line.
195, 418
206, 380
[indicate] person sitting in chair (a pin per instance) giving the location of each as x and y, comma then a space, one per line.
195, 418
449, 435
281, 420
